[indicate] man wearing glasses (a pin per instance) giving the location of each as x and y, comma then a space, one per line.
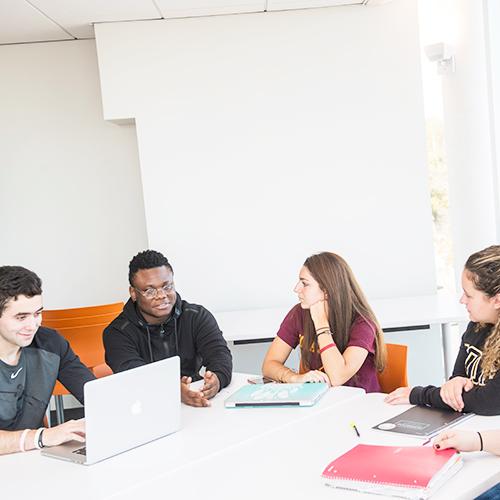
157, 324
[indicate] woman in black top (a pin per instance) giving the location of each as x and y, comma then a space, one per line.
475, 383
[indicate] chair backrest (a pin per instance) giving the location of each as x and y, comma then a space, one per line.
58, 323
82, 312
82, 327
102, 370
86, 341
395, 373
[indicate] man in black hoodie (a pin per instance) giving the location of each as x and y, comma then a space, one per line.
157, 324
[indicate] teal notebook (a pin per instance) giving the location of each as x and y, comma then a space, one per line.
277, 395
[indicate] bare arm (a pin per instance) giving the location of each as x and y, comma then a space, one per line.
69, 431
274, 363
274, 366
491, 441
469, 440
9, 441
339, 367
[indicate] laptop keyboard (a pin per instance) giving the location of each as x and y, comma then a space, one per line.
80, 451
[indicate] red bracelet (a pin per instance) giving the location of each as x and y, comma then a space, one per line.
323, 349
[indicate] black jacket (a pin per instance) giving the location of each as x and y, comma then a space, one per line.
25, 389
484, 397
190, 332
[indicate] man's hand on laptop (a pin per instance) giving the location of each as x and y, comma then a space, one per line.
69, 431
211, 386
190, 397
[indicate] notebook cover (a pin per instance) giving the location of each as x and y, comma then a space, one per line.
422, 421
276, 394
408, 466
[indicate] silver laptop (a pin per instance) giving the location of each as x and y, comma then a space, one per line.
126, 410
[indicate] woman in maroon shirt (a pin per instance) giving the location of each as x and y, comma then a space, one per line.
340, 340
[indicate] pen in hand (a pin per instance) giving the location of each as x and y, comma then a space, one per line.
353, 425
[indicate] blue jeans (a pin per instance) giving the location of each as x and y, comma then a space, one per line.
491, 494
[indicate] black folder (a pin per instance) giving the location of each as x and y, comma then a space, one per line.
422, 421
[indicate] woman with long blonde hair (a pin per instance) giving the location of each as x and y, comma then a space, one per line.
475, 383
340, 340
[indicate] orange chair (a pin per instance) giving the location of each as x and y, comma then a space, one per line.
82, 312
82, 327
86, 341
59, 323
395, 373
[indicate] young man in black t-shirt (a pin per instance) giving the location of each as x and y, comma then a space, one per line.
32, 358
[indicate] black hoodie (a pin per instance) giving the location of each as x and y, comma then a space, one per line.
190, 332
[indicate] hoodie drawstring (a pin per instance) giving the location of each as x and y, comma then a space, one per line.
175, 337
175, 334
149, 344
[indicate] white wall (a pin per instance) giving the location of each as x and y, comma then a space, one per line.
266, 137
467, 108
71, 205
493, 54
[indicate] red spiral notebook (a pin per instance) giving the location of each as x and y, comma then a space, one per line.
405, 471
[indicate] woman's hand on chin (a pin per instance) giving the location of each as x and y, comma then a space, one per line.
319, 313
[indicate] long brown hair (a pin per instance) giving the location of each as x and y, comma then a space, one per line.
483, 269
346, 301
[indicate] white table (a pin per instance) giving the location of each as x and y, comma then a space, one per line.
287, 463
205, 433
241, 453
405, 313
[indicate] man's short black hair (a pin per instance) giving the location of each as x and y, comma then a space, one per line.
15, 281
146, 260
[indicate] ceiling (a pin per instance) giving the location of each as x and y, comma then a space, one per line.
29, 21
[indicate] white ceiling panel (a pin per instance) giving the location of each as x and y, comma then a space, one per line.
188, 8
24, 21
308, 4
20, 22
77, 16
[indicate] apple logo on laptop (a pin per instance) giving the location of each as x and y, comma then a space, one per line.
136, 408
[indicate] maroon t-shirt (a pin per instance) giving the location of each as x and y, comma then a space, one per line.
362, 334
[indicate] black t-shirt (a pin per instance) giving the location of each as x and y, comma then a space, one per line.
12, 384
25, 389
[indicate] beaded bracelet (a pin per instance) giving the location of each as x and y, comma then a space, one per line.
323, 329
324, 332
